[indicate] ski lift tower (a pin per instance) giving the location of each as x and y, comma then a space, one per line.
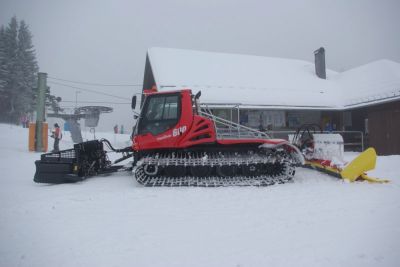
91, 115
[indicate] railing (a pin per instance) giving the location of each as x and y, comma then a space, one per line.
226, 129
353, 140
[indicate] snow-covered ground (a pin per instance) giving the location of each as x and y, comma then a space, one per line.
112, 221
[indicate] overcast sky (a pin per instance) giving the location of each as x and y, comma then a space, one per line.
106, 41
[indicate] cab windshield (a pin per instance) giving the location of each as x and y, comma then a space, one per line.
160, 113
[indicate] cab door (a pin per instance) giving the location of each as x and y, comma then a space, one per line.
160, 115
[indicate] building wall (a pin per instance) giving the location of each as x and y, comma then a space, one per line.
296, 118
384, 128
381, 126
358, 117
270, 119
279, 119
380, 123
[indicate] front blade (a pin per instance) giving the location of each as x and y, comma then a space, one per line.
364, 162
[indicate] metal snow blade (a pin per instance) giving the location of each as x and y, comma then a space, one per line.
324, 152
354, 171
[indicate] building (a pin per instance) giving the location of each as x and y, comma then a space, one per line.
281, 94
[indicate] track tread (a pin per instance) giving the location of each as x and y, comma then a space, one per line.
283, 173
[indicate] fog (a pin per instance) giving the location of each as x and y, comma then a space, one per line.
105, 42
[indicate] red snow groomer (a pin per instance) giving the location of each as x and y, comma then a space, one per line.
177, 143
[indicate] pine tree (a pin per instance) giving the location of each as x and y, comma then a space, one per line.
3, 71
27, 69
18, 70
18, 73
10, 64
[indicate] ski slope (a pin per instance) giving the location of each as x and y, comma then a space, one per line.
112, 221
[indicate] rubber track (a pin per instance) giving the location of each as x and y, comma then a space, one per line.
215, 181
285, 175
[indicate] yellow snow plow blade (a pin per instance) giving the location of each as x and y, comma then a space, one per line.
356, 169
373, 179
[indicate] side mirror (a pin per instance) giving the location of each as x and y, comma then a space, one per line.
197, 96
133, 104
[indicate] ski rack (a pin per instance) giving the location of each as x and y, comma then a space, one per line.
231, 129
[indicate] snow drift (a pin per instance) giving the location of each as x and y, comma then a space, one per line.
317, 220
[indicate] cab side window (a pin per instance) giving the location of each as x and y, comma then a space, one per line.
159, 114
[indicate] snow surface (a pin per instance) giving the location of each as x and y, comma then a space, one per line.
317, 220
276, 83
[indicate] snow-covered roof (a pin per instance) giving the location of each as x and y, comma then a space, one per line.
375, 82
267, 82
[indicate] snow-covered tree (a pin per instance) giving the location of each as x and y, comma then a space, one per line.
9, 65
18, 70
27, 69
3, 71
18, 73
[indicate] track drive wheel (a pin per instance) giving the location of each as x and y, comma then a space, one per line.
200, 171
227, 170
175, 171
274, 169
251, 170
151, 170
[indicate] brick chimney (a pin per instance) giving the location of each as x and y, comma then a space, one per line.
320, 68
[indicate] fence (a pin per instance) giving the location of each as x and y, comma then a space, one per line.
353, 140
